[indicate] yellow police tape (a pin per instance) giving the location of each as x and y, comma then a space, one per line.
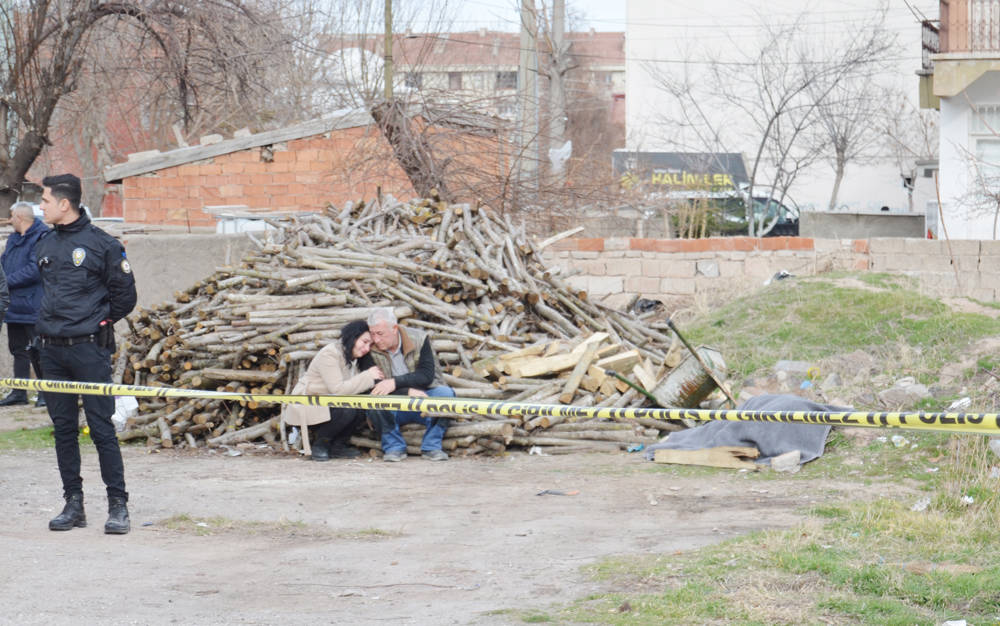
988, 423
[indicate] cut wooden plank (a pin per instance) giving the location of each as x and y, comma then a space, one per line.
644, 377
722, 456
569, 389
596, 338
621, 363
534, 350
590, 383
597, 374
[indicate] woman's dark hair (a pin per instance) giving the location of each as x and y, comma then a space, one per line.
349, 336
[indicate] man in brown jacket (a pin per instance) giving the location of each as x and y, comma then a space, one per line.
406, 357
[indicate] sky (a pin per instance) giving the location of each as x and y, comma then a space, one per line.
602, 15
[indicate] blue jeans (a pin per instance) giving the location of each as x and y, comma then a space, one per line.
392, 439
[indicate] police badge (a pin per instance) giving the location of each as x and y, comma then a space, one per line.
79, 254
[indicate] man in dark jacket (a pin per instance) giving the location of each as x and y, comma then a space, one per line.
88, 287
407, 358
25, 286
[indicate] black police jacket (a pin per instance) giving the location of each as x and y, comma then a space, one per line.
86, 279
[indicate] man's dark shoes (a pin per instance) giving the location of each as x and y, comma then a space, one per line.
118, 522
339, 450
320, 450
40, 400
14, 397
72, 515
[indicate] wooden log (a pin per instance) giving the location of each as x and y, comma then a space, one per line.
250, 376
246, 434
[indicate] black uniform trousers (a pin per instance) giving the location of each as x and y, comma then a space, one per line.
19, 336
83, 362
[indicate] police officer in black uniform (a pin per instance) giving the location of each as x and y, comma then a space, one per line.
88, 286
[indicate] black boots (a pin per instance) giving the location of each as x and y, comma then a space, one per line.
118, 522
324, 450
72, 515
340, 450
18, 396
321, 450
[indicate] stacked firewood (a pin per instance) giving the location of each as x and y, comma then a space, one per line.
505, 326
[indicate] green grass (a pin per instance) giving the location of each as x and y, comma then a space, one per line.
875, 563
33, 439
857, 559
812, 318
217, 525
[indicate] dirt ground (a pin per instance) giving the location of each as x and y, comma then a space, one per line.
292, 541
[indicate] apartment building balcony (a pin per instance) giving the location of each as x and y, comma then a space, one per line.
968, 46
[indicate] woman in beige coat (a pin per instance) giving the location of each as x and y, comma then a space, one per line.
334, 371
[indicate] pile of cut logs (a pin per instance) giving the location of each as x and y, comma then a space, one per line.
505, 325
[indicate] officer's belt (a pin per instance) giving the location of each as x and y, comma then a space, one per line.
67, 341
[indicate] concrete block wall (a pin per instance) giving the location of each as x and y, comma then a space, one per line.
670, 269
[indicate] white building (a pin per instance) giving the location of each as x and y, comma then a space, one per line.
678, 37
966, 88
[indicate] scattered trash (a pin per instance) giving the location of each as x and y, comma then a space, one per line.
125, 407
645, 305
231, 451
806, 384
899, 441
652, 499
921, 505
635, 447
881, 439
147, 523
967, 500
293, 437
954, 622
812, 373
537, 450
931, 470
556, 492
961, 404
202, 524
781, 275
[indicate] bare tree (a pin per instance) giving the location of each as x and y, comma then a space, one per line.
911, 136
770, 96
851, 121
197, 51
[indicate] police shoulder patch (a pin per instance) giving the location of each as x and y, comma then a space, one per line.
126, 268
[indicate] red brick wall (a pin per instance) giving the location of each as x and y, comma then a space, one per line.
305, 175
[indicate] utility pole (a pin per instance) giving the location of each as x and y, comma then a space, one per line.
557, 84
527, 90
387, 70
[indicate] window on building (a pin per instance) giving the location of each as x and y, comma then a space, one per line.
413, 80
985, 131
455, 81
506, 80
